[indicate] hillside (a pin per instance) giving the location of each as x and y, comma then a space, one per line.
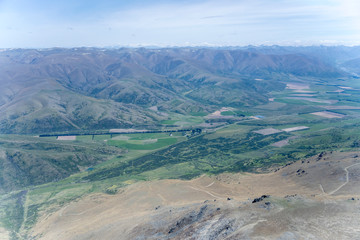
116, 130
56, 90
353, 66
25, 161
304, 204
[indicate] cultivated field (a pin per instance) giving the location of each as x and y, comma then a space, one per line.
292, 129
297, 86
66, 138
327, 114
341, 107
267, 131
281, 143
113, 169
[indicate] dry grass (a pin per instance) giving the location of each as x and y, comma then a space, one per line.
267, 131
117, 215
313, 100
217, 113
295, 128
4, 235
281, 143
66, 138
340, 107
297, 86
327, 114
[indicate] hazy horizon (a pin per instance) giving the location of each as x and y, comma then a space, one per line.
43, 24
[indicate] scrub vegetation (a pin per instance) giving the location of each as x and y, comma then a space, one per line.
40, 174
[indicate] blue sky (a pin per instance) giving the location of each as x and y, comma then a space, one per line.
74, 23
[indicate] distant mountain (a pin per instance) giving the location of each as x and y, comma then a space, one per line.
334, 55
79, 89
352, 66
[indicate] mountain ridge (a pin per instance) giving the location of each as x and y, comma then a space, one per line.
132, 80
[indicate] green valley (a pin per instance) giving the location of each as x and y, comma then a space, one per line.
185, 121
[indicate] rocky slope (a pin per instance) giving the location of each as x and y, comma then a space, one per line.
310, 199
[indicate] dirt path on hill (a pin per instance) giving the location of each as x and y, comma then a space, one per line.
156, 204
347, 179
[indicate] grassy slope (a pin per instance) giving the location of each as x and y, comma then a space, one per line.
88, 89
24, 157
186, 160
155, 156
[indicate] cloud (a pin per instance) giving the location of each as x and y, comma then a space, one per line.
226, 22
254, 20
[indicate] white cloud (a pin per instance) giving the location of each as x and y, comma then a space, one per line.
226, 22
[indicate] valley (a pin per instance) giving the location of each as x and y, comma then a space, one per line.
183, 153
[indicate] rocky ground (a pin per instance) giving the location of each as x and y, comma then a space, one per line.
317, 198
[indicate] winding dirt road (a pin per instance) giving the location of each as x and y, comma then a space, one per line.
347, 179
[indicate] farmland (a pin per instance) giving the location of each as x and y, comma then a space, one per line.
250, 144
190, 132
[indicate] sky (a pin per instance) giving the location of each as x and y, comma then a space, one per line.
111, 23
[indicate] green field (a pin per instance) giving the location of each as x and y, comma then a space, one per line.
107, 163
142, 145
170, 122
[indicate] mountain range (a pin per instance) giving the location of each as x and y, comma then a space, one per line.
81, 89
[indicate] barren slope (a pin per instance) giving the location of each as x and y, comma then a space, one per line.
220, 207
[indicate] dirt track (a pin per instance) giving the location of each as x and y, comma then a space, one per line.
142, 208
347, 179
